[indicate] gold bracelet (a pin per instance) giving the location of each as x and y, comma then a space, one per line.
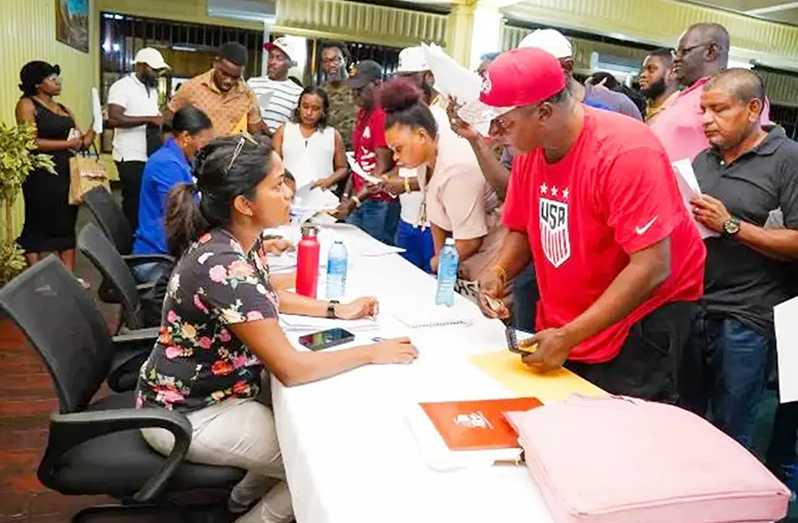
357, 201
501, 271
407, 185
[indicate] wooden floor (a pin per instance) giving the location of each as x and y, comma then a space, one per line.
27, 398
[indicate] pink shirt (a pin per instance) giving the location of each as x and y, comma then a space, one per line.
680, 127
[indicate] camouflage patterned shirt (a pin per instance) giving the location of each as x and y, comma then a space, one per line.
342, 111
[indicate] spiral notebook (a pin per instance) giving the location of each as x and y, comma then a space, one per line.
439, 316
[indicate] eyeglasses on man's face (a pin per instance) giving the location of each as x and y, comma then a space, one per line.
683, 51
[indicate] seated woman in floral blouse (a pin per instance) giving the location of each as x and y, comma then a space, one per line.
219, 325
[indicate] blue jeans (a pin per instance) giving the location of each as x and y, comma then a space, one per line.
149, 272
379, 219
734, 362
417, 243
525, 298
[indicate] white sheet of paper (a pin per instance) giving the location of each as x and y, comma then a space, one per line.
451, 79
357, 169
688, 186
785, 315
97, 111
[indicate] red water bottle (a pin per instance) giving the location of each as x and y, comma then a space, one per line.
307, 270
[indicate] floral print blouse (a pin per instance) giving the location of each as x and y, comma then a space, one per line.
197, 361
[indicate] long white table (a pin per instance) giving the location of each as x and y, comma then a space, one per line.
349, 453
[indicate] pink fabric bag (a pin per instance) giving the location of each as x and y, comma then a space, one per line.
624, 460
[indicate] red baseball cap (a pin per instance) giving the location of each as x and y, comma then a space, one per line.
521, 77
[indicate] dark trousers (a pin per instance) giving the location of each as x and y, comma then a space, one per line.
525, 298
648, 365
130, 174
728, 365
379, 219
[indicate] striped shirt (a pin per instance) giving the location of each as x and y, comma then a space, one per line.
281, 99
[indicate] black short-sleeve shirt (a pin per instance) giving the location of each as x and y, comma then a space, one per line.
197, 361
740, 282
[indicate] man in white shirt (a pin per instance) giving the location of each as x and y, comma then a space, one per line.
132, 106
277, 96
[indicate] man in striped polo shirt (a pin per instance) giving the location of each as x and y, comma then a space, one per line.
277, 95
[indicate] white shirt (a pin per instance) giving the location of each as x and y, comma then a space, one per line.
308, 159
130, 144
277, 100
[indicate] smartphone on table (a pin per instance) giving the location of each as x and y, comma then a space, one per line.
326, 339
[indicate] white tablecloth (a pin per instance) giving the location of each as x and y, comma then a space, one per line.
349, 453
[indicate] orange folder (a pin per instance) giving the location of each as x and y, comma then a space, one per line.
477, 425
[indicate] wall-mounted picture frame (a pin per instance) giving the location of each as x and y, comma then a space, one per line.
72, 23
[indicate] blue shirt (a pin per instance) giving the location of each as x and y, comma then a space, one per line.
166, 168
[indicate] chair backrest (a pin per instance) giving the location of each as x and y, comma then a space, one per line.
112, 220
62, 323
101, 252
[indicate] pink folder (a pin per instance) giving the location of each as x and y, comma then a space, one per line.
623, 460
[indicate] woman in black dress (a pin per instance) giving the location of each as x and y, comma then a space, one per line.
49, 219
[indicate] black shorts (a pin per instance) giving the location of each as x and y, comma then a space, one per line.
648, 364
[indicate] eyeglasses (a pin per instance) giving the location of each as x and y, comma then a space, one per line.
684, 50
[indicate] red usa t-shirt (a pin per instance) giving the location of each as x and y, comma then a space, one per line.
368, 136
613, 194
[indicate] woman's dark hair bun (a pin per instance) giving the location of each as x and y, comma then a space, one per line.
399, 94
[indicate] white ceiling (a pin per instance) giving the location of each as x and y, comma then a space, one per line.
777, 10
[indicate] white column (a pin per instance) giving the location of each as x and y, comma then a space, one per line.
486, 31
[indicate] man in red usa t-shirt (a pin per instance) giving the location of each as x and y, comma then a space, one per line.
594, 201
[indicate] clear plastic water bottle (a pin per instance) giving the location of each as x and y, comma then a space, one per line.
337, 260
448, 262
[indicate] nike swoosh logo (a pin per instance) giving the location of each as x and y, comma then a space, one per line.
642, 230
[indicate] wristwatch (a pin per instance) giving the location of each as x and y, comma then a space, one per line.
331, 309
731, 226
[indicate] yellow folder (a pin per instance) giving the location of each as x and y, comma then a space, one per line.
507, 368
240, 127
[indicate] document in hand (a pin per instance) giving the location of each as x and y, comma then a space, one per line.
462, 85
358, 170
480, 424
309, 202
688, 186
785, 315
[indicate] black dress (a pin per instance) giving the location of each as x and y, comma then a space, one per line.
49, 219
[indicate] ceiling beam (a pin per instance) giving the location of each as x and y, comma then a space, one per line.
773, 8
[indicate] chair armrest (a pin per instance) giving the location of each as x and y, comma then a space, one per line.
136, 337
126, 367
138, 259
70, 430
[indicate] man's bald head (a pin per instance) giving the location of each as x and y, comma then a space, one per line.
703, 50
743, 85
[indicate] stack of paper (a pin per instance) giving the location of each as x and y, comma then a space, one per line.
290, 322
310, 202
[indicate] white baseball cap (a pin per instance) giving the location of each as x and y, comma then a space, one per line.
280, 43
411, 60
550, 40
151, 57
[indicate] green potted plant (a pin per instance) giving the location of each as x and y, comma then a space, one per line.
17, 160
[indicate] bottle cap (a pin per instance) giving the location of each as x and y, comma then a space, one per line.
309, 230
449, 241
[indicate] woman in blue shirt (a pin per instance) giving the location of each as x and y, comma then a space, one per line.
166, 168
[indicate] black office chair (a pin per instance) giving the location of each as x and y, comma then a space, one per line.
113, 223
96, 448
101, 252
